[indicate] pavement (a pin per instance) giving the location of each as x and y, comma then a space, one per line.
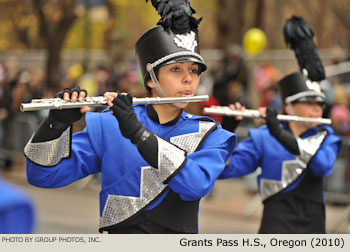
232, 207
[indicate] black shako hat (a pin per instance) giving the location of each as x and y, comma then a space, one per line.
304, 85
295, 87
159, 47
174, 39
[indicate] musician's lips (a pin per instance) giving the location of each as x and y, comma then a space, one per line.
186, 93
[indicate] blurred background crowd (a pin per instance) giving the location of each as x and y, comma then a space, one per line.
46, 46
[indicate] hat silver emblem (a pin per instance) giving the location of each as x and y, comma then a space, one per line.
313, 85
187, 41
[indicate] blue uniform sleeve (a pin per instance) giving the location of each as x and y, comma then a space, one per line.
322, 163
196, 179
17, 212
245, 158
83, 162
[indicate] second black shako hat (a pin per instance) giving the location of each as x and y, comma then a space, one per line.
304, 85
296, 87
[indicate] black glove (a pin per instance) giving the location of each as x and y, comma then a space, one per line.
58, 120
132, 128
285, 137
129, 125
66, 116
272, 123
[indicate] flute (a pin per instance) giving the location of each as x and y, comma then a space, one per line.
99, 101
249, 113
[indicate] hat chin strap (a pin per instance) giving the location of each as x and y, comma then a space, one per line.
291, 109
151, 72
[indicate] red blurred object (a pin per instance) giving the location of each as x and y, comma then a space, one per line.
213, 102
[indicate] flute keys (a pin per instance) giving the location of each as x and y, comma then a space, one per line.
57, 103
96, 99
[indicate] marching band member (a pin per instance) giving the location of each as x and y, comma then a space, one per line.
156, 161
294, 157
15, 205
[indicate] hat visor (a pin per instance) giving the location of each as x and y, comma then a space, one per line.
306, 96
310, 99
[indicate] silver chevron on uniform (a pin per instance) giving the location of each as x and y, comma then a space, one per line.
170, 158
291, 169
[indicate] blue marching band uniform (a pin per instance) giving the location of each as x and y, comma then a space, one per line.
290, 186
192, 154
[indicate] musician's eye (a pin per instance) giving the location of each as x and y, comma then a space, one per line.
175, 69
194, 70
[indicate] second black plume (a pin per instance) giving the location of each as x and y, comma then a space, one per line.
176, 15
299, 36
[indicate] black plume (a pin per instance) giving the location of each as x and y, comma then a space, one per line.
176, 15
299, 35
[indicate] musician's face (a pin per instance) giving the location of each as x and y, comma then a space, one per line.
308, 109
177, 80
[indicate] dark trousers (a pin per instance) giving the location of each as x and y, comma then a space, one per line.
293, 215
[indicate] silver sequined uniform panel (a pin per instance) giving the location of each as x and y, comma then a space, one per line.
119, 208
170, 158
49, 153
190, 142
309, 146
291, 169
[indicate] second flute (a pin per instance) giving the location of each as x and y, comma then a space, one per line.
98, 101
226, 111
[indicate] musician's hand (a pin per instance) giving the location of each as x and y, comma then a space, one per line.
59, 120
262, 111
237, 106
123, 110
110, 97
231, 123
69, 116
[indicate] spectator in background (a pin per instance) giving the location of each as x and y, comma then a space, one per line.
340, 115
37, 83
130, 83
328, 89
102, 75
265, 79
5, 161
17, 86
271, 98
231, 83
337, 87
205, 88
3, 112
9, 81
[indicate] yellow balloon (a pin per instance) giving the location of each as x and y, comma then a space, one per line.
254, 41
75, 71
